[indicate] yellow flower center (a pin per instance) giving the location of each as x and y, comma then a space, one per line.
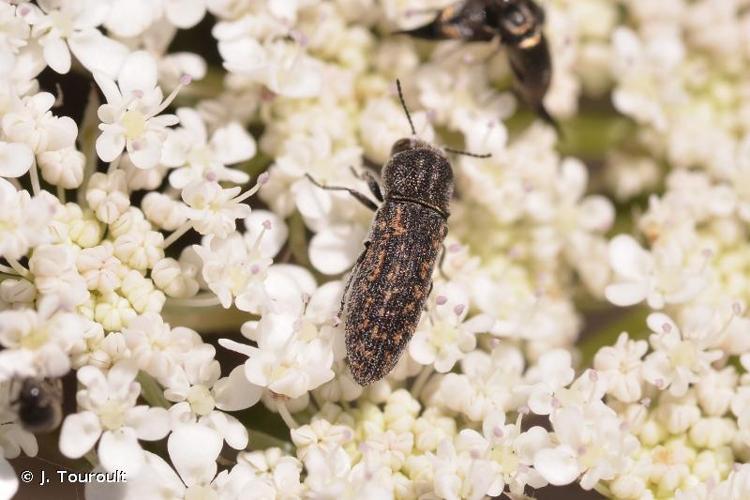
200, 400
112, 415
135, 124
684, 354
35, 339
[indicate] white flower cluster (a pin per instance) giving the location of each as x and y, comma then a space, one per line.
127, 227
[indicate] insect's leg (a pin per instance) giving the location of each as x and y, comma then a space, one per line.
356, 194
441, 261
349, 278
424, 307
371, 181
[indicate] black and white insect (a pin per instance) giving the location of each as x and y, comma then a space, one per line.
39, 403
392, 278
518, 25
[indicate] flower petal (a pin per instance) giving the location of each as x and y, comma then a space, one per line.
193, 449
334, 249
233, 144
119, 450
109, 145
235, 392
56, 54
15, 159
137, 73
626, 294
150, 424
557, 465
8, 480
185, 13
79, 433
628, 258
97, 52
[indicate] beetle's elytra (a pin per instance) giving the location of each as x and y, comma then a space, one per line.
517, 24
392, 278
389, 284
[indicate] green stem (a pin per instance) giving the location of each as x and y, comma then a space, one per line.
298, 240
603, 330
151, 391
261, 441
91, 458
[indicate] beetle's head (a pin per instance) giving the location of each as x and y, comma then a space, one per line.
419, 171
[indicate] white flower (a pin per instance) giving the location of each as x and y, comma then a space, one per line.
15, 159
212, 209
292, 356
130, 18
552, 372
108, 196
8, 480
67, 23
31, 122
158, 348
487, 383
108, 410
56, 275
591, 443
131, 119
282, 66
677, 360
193, 450
38, 343
461, 474
24, 220
620, 365
140, 250
316, 155
63, 167
163, 211
443, 337
175, 279
196, 158
270, 474
198, 391
100, 268
662, 277
234, 272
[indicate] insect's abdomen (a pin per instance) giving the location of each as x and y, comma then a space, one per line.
389, 287
533, 68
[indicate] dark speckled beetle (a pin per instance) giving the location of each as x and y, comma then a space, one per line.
517, 24
389, 284
40, 404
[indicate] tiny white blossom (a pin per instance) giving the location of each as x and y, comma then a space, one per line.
108, 410
677, 361
131, 118
70, 26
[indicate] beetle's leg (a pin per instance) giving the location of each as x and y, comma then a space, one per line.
349, 278
356, 194
371, 181
424, 307
441, 261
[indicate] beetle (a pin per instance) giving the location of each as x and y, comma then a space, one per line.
390, 281
518, 24
40, 404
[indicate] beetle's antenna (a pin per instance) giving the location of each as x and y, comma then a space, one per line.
406, 110
466, 153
